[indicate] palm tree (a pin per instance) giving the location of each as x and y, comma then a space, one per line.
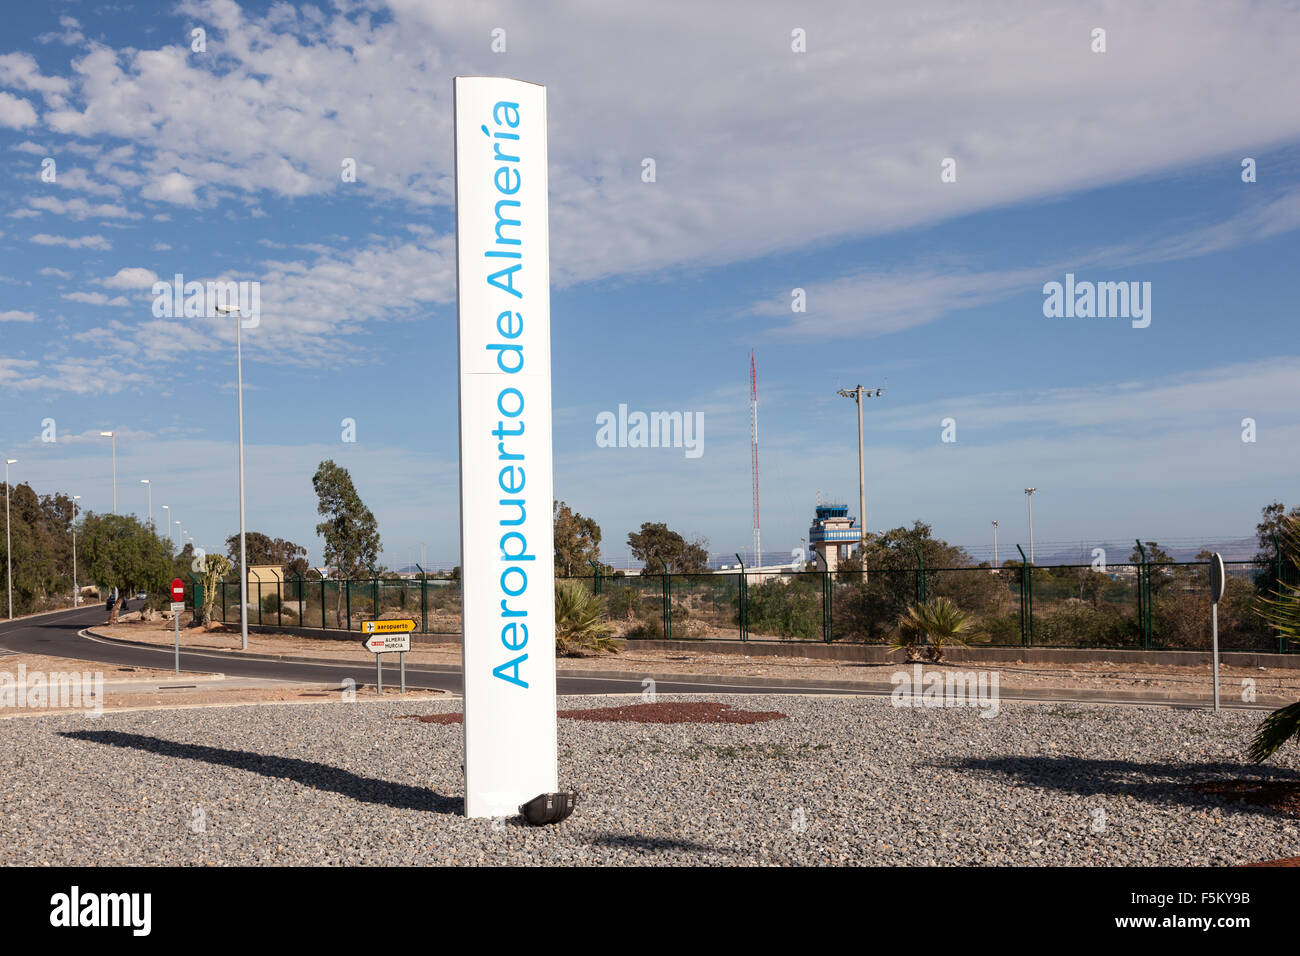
940, 620
580, 620
1282, 611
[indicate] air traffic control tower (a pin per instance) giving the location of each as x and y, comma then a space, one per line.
833, 534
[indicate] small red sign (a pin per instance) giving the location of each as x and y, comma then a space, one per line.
178, 589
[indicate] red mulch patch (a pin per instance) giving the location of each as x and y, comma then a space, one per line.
1281, 796
677, 712
658, 713
1285, 861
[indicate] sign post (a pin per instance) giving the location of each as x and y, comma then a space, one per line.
178, 605
504, 322
1216, 594
387, 637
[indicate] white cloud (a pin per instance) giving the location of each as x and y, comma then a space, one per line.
27, 146
95, 298
20, 71
72, 242
174, 188
131, 277
13, 315
51, 271
15, 112
868, 303
759, 149
79, 209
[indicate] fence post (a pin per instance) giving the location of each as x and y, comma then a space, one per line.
920, 577
595, 584
1144, 596
322, 601
222, 585
279, 601
668, 603
1026, 600
347, 586
375, 583
259, 596
742, 594
424, 601
828, 595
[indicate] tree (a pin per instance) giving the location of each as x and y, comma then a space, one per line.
655, 542
580, 620
350, 531
1160, 577
121, 553
264, 550
1274, 520
577, 541
41, 533
215, 568
939, 620
1282, 611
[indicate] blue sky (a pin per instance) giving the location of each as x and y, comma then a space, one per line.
775, 170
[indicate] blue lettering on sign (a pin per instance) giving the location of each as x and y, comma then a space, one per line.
509, 215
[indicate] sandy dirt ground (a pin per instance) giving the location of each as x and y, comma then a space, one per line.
1102, 675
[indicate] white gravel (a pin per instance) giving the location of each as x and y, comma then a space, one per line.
843, 780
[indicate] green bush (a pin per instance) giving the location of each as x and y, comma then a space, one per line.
1074, 623
788, 608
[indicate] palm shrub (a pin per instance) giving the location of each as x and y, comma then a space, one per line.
580, 620
1280, 610
930, 627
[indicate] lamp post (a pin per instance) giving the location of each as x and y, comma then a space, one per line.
149, 489
76, 591
243, 548
995, 544
9, 550
168, 524
1029, 497
857, 393
113, 436
180, 536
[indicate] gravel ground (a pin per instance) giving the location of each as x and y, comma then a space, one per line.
841, 781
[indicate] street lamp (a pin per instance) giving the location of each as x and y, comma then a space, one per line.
995, 544
168, 525
149, 489
76, 591
1029, 497
113, 435
180, 535
9, 550
243, 548
857, 393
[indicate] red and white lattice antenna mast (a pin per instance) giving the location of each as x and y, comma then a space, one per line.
753, 440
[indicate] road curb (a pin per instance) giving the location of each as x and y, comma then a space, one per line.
880, 688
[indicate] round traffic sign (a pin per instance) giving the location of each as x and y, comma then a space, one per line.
178, 589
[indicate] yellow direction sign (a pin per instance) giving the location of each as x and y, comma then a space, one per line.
387, 627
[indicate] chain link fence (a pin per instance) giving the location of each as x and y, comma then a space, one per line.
1142, 606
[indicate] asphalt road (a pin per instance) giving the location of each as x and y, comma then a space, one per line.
57, 635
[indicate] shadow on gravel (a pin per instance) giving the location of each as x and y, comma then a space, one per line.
1155, 782
628, 841
318, 775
